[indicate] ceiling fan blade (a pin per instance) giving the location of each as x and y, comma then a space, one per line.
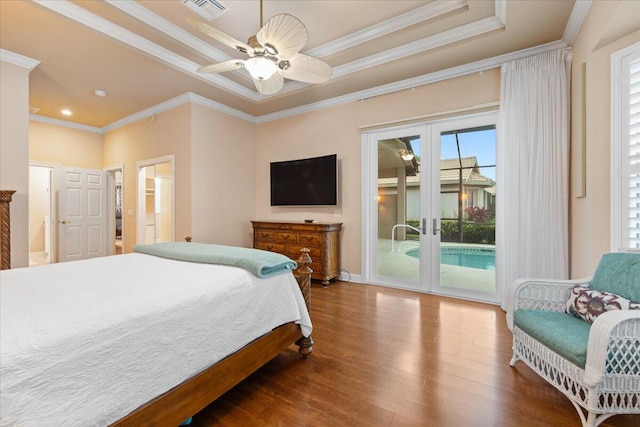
307, 69
284, 32
221, 67
269, 86
222, 37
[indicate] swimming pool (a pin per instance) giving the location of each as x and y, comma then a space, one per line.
481, 258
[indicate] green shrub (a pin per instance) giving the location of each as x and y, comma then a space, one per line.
479, 233
449, 228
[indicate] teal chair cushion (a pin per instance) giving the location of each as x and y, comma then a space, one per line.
618, 273
562, 333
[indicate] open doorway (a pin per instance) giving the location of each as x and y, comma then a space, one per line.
40, 211
156, 200
115, 177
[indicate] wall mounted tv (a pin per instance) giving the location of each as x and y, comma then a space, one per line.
305, 182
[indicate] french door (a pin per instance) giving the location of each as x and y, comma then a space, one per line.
428, 203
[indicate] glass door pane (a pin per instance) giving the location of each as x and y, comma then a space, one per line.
398, 199
467, 185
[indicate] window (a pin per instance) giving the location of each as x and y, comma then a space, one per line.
625, 149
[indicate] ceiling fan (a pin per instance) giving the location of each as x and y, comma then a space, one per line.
274, 54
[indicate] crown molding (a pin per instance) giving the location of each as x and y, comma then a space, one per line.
429, 11
428, 43
413, 17
64, 123
409, 84
148, 112
360, 96
153, 20
501, 10
159, 23
19, 60
176, 102
206, 102
453, 35
578, 14
84, 17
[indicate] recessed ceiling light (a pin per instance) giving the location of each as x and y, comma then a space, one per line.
99, 92
66, 112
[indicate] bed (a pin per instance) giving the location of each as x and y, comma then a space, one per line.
139, 339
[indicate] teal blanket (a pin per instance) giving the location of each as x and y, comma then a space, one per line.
258, 262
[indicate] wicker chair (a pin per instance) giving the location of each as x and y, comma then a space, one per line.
596, 365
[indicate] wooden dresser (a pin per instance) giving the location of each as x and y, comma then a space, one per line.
287, 238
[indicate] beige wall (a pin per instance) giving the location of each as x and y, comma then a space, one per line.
65, 146
337, 130
605, 31
168, 134
223, 179
14, 155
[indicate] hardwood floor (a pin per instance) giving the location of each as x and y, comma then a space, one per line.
385, 357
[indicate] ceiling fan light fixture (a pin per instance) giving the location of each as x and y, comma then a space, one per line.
260, 68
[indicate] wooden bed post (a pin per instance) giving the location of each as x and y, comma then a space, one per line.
5, 228
305, 345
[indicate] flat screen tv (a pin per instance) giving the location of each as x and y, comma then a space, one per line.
305, 182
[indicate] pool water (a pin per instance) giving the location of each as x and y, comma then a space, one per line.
484, 259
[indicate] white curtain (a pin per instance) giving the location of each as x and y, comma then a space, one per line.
533, 169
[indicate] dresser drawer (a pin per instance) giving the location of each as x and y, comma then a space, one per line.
265, 236
310, 239
273, 247
285, 237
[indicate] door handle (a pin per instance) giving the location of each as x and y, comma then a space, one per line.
64, 221
424, 225
435, 226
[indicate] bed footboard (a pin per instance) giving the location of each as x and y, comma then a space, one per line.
193, 395
303, 276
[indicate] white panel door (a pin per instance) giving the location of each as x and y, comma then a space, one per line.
82, 216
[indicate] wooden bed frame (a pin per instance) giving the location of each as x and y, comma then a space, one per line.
190, 397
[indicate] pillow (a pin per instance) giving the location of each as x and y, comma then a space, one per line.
587, 304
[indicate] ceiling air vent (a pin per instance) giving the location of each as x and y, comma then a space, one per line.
208, 9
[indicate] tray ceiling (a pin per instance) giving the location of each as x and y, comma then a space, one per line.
143, 53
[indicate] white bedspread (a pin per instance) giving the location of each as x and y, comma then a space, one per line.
84, 343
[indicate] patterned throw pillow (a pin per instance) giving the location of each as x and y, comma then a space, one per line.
587, 304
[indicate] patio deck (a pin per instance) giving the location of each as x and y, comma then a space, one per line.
399, 265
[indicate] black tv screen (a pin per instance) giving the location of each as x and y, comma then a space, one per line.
305, 182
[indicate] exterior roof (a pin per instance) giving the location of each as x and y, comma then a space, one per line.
449, 174
449, 169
